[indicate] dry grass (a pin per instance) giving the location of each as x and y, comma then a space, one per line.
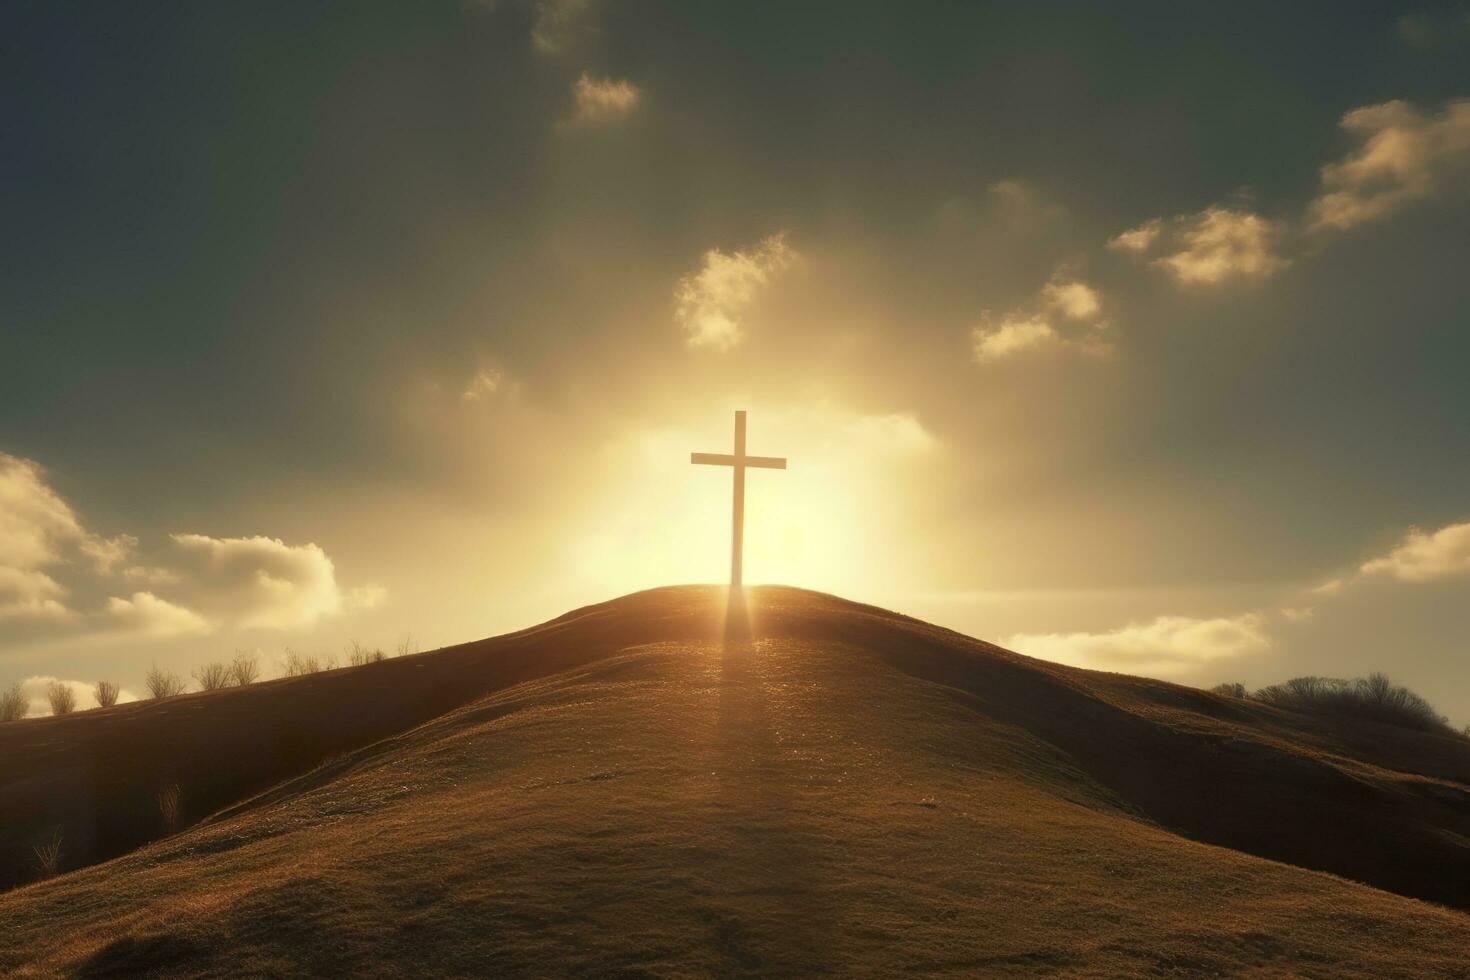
163, 683
854, 794
106, 693
244, 669
13, 703
61, 697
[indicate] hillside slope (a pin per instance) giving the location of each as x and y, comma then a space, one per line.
624, 790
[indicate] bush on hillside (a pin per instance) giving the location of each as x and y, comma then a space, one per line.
48, 856
358, 654
106, 693
1375, 696
212, 676
1230, 690
244, 669
163, 683
300, 664
13, 703
62, 698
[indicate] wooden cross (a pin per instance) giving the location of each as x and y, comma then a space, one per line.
739, 461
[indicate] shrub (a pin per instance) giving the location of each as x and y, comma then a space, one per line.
168, 807
62, 698
106, 693
299, 664
407, 647
357, 655
48, 856
13, 703
213, 676
1375, 696
244, 669
1229, 690
163, 683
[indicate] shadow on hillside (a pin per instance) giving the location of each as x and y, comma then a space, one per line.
771, 882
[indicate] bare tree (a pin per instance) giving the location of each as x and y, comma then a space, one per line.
13, 703
106, 693
407, 646
245, 668
213, 676
63, 699
163, 683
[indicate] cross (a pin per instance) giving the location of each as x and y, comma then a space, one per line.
739, 461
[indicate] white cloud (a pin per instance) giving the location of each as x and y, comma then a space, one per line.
712, 300
993, 339
1137, 239
30, 594
1168, 644
604, 100
205, 583
1069, 316
147, 614
1426, 557
1072, 299
257, 582
34, 521
38, 528
36, 690
1220, 244
1404, 157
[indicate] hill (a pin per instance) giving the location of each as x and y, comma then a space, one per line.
628, 790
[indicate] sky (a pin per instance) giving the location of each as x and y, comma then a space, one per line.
1129, 336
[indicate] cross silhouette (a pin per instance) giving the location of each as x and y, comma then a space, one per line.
738, 461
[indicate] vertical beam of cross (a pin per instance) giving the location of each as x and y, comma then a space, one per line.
738, 461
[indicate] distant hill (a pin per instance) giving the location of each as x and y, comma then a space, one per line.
623, 790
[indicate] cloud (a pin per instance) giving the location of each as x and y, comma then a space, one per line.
712, 300
1072, 299
1405, 156
1220, 243
34, 521
33, 595
1425, 557
365, 597
604, 100
996, 338
1137, 239
147, 614
257, 582
486, 382
1068, 316
1168, 644
38, 528
558, 24
35, 689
